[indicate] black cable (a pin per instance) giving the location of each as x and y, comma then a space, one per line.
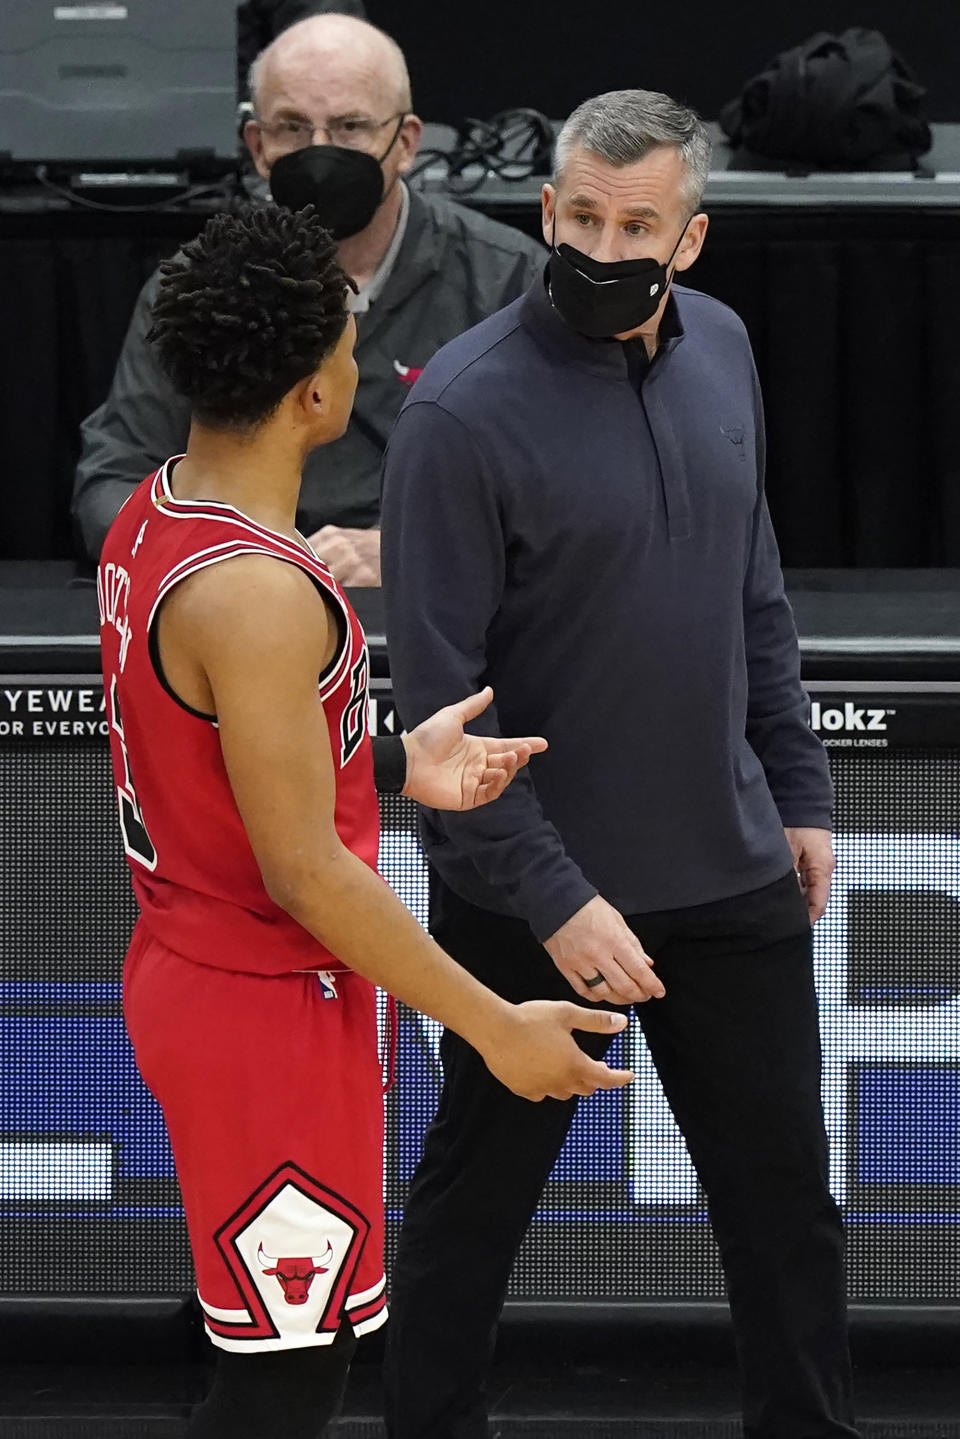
224, 188
514, 145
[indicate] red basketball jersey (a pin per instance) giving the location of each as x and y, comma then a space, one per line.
196, 880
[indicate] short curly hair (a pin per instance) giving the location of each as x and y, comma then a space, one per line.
255, 303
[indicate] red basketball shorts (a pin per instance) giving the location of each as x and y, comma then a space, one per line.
272, 1093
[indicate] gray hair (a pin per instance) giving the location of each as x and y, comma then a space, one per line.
623, 126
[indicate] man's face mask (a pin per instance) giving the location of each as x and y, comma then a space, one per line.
346, 186
602, 298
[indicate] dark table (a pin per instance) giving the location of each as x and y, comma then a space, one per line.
861, 625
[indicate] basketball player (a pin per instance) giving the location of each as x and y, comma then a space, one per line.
236, 682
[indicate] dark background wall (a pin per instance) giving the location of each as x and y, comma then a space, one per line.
481, 56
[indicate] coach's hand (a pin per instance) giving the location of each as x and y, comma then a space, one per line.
812, 851
536, 1056
597, 941
449, 769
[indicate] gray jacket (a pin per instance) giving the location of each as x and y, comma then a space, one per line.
453, 269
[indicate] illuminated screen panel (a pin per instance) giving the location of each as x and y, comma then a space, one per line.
88, 1197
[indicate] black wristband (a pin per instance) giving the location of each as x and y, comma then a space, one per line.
389, 764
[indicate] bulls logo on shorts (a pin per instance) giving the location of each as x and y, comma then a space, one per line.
293, 1251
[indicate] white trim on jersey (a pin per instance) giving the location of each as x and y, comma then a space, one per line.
163, 478
302, 554
265, 1346
227, 1316
199, 510
239, 546
356, 1301
230, 549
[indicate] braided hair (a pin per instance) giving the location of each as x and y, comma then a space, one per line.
255, 303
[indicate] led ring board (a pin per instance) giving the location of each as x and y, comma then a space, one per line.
88, 1197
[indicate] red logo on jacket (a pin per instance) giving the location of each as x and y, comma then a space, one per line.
409, 374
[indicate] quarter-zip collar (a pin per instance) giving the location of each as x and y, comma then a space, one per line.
606, 358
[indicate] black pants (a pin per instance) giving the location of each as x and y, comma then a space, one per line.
736, 1045
292, 1392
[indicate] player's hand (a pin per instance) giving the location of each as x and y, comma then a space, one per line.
597, 940
448, 769
535, 1055
814, 862
352, 556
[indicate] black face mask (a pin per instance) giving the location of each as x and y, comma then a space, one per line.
345, 186
602, 298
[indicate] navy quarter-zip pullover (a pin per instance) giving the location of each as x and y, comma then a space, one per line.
590, 536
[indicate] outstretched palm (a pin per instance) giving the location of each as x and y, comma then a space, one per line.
449, 769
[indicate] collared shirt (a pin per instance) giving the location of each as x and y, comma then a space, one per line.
635, 351
599, 550
360, 302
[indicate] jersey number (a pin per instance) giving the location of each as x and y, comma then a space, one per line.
353, 726
136, 842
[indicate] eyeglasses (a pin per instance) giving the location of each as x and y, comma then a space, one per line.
354, 132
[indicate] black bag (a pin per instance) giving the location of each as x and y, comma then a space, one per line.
841, 102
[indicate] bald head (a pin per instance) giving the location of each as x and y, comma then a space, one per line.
345, 63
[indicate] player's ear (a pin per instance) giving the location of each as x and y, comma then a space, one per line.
311, 395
